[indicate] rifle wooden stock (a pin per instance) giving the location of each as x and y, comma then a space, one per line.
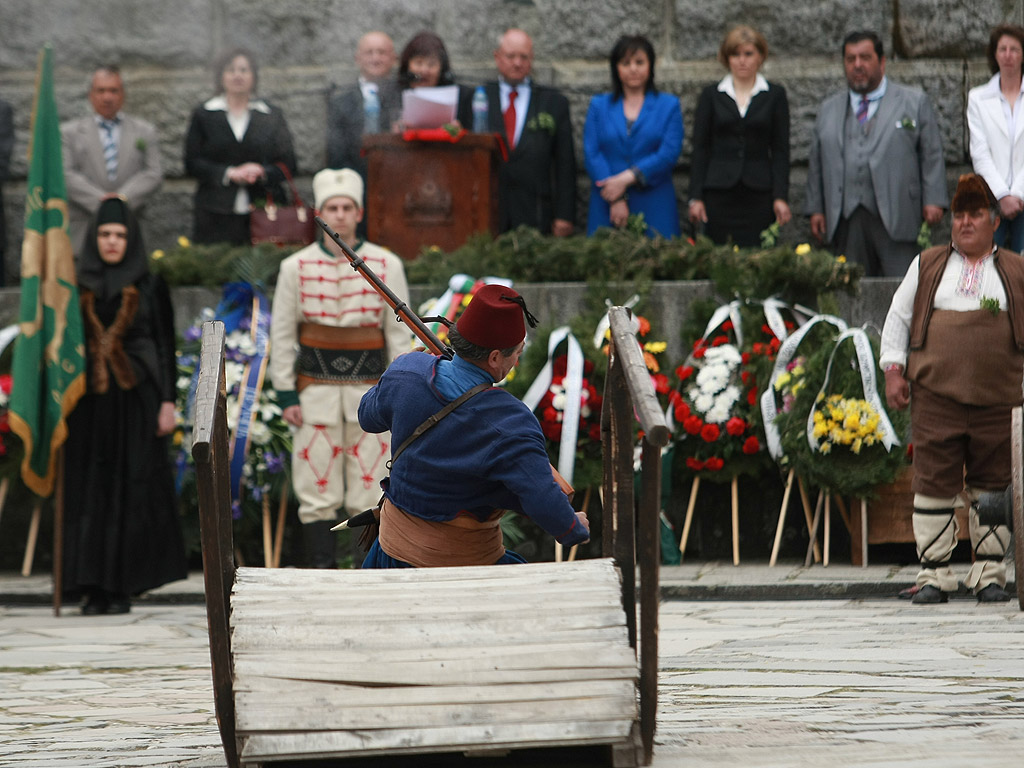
401, 309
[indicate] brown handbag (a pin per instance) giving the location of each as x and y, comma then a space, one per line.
282, 224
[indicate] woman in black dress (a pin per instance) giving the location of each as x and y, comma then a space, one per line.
739, 182
233, 148
122, 533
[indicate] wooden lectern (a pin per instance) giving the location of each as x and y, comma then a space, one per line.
424, 193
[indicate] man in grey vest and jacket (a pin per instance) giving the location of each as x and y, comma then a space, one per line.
875, 168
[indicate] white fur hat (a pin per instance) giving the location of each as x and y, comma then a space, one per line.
332, 182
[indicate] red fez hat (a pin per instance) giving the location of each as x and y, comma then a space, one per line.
493, 319
972, 194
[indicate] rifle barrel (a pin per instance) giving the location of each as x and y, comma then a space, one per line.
401, 309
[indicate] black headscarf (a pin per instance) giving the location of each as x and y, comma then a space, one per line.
107, 280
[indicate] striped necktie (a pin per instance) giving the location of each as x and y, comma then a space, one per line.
862, 110
109, 147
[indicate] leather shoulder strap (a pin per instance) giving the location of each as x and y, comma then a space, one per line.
436, 417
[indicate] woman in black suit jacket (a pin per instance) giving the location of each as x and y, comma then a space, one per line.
739, 182
233, 147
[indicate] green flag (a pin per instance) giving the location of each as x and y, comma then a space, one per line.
49, 355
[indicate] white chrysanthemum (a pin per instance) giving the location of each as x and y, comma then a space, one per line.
208, 314
712, 378
726, 354
184, 382
259, 432
558, 401
704, 402
269, 410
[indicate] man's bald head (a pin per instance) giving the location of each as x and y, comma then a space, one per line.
375, 56
514, 56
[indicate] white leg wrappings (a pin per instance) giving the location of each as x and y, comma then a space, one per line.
935, 535
987, 542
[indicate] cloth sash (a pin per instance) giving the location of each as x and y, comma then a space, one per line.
433, 544
990, 375
332, 355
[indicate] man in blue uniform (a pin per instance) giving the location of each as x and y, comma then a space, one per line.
449, 487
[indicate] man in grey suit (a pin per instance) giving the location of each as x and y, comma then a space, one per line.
876, 167
107, 154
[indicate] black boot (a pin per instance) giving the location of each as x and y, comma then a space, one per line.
319, 543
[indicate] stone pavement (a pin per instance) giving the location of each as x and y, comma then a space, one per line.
866, 680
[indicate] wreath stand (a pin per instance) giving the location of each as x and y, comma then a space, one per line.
735, 519
272, 551
810, 519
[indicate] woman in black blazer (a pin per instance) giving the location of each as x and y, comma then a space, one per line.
739, 182
233, 147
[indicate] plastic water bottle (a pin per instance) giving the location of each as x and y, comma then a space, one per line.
371, 110
479, 110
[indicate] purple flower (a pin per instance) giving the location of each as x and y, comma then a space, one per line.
256, 492
275, 462
236, 510
193, 333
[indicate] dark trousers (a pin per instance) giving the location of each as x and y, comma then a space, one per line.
862, 238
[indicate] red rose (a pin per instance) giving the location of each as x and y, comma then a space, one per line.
588, 367
552, 430
735, 426
551, 415
660, 383
719, 341
682, 412
558, 367
674, 398
714, 464
751, 445
745, 357
752, 397
6, 383
745, 377
699, 353
684, 372
758, 348
710, 433
695, 464
727, 325
693, 425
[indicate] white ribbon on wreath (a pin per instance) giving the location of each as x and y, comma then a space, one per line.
573, 383
730, 311
787, 350
866, 363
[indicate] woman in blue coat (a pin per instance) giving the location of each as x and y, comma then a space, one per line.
631, 142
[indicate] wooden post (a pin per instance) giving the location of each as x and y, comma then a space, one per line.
863, 533
58, 534
828, 529
268, 547
689, 517
813, 530
735, 521
282, 510
33, 535
782, 519
806, 503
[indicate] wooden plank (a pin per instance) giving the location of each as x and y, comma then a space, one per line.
341, 695
291, 641
439, 632
256, 713
426, 674
502, 574
325, 744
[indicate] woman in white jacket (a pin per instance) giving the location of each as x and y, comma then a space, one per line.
995, 118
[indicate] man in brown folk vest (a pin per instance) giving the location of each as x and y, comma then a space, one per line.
954, 336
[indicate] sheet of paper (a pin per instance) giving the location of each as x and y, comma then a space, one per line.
429, 107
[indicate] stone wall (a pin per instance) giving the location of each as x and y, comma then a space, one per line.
305, 46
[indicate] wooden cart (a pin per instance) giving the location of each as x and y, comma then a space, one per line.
313, 665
